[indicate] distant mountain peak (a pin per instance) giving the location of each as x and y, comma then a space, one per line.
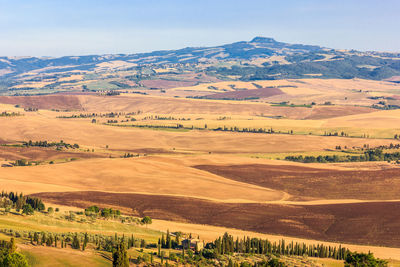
260, 39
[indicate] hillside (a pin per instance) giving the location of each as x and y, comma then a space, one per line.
259, 59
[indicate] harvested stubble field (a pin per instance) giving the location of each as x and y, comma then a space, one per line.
44, 102
43, 154
44, 126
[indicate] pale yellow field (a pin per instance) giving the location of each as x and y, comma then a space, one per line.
306, 86
305, 91
43, 126
76, 77
377, 120
147, 175
116, 64
376, 124
33, 84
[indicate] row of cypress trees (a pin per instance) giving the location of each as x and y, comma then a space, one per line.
227, 245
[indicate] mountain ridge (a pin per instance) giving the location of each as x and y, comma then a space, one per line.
261, 58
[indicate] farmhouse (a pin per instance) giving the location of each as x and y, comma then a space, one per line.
192, 243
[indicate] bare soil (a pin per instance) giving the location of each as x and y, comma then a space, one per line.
313, 182
166, 84
246, 94
62, 102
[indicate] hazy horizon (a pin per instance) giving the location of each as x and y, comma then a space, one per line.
73, 28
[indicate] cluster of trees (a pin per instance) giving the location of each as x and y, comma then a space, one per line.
22, 162
78, 241
369, 155
100, 115
287, 104
178, 126
9, 114
223, 118
31, 109
161, 118
105, 213
352, 259
51, 240
391, 146
362, 259
120, 256
343, 134
248, 130
49, 144
112, 92
168, 241
228, 245
273, 262
384, 106
27, 204
129, 155
9, 256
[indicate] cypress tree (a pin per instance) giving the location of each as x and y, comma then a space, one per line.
43, 239
85, 241
75, 242
120, 256
36, 238
163, 241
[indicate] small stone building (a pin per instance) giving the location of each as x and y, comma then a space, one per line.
193, 244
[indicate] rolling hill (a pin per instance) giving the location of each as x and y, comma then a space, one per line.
258, 59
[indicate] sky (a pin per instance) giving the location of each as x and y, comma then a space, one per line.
82, 27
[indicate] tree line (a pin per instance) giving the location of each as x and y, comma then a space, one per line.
101, 115
10, 114
369, 155
105, 212
162, 118
228, 245
49, 144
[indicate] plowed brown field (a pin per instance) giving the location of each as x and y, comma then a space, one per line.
302, 182
363, 223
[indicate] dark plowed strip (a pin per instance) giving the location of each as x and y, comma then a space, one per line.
312, 182
364, 223
246, 94
63, 102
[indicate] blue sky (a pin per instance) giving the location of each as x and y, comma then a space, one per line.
56, 28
